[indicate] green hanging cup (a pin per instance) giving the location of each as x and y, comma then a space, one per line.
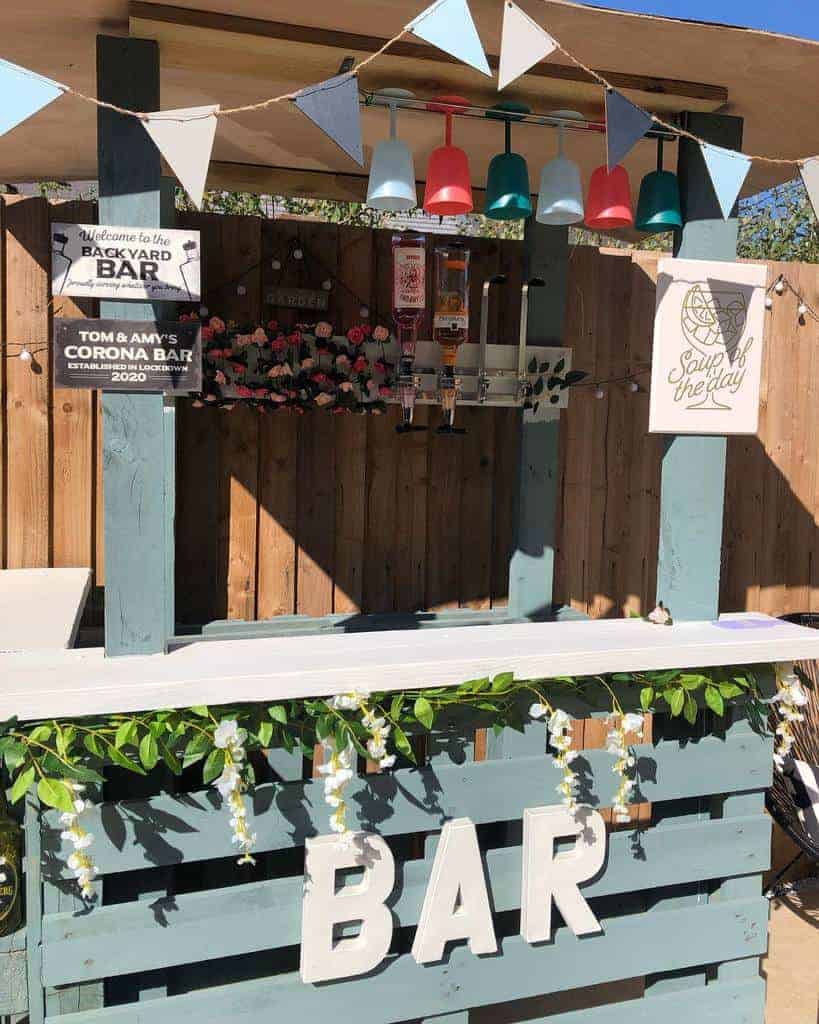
658, 208
508, 196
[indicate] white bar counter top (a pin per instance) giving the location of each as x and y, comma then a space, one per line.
40, 684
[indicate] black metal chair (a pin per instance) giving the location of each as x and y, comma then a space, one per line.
787, 796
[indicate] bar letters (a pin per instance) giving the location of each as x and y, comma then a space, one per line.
456, 904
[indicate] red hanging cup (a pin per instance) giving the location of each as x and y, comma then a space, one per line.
608, 204
448, 189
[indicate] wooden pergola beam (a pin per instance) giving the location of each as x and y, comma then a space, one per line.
347, 42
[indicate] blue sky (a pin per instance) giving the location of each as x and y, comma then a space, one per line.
791, 17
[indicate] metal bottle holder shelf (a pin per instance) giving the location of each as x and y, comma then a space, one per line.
493, 375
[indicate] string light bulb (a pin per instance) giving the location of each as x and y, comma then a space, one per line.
803, 309
298, 254
779, 287
276, 264
241, 290
364, 312
327, 284
25, 355
203, 311
768, 302
633, 386
599, 393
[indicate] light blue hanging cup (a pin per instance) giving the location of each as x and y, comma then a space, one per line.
391, 187
560, 200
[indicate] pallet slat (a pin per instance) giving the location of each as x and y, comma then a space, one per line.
656, 941
181, 828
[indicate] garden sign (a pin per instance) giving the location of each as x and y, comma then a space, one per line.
707, 355
105, 262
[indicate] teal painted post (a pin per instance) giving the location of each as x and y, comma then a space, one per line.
531, 569
693, 471
137, 477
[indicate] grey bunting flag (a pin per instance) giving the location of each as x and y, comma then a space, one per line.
333, 106
625, 126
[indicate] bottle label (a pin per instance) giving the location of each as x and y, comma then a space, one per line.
409, 277
450, 322
8, 888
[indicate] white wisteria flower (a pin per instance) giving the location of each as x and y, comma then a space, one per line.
788, 700
350, 701
79, 861
619, 725
229, 737
337, 769
559, 727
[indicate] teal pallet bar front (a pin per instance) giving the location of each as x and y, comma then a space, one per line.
226, 941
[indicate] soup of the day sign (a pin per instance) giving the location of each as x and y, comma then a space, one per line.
106, 262
128, 355
707, 359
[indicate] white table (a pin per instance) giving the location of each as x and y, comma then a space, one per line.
40, 609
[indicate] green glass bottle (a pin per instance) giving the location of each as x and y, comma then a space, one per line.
10, 874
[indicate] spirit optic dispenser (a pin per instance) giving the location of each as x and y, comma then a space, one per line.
409, 300
450, 325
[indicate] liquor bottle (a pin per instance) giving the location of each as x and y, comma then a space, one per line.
450, 325
60, 263
409, 293
10, 876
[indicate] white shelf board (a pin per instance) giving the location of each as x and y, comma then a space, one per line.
85, 682
41, 608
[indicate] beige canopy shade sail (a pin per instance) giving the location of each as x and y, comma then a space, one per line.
234, 52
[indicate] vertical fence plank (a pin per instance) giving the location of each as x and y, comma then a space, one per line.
239, 434
316, 504
278, 514
412, 486
73, 432
4, 355
383, 447
28, 442
356, 287
476, 507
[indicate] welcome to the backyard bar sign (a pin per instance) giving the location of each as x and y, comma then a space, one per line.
457, 902
108, 262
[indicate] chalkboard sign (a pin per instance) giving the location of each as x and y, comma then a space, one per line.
128, 355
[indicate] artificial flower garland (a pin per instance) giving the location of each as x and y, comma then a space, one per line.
59, 758
302, 368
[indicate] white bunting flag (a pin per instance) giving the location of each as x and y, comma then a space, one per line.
185, 138
524, 43
448, 25
810, 176
23, 94
728, 170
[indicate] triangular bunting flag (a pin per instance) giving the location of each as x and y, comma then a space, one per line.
24, 93
333, 106
185, 138
448, 25
810, 176
524, 43
728, 170
625, 126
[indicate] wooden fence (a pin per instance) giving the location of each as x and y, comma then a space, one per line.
317, 514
